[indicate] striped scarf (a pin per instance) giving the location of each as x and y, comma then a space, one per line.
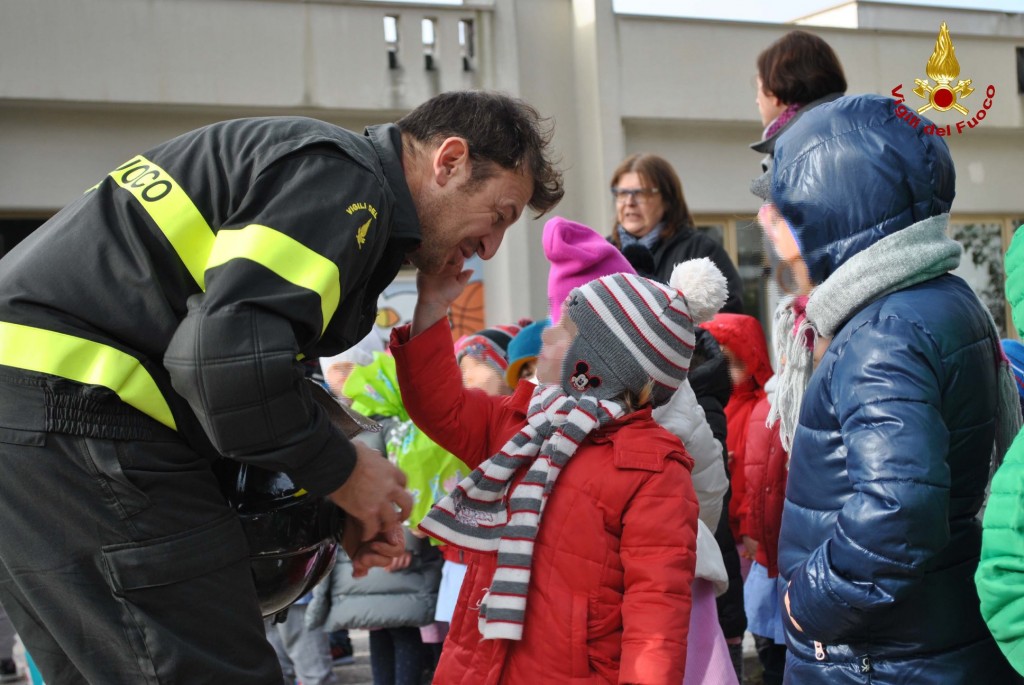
486, 513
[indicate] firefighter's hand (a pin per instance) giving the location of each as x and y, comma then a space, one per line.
374, 494
380, 551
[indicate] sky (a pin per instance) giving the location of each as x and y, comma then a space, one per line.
778, 10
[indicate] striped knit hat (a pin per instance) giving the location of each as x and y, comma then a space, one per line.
632, 330
489, 345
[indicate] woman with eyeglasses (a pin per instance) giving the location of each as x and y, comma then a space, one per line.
654, 231
650, 211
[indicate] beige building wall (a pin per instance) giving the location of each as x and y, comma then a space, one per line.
84, 84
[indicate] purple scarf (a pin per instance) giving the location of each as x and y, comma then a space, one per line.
781, 121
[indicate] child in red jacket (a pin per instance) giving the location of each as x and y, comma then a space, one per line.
765, 467
743, 343
587, 579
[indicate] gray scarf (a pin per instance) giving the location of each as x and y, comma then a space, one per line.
912, 255
650, 240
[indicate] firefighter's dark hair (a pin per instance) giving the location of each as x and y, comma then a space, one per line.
500, 130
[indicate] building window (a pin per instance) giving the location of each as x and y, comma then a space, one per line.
467, 49
983, 266
429, 43
391, 39
741, 239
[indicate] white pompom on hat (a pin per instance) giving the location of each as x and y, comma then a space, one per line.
703, 285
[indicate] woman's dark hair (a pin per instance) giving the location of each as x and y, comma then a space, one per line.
800, 68
500, 130
656, 172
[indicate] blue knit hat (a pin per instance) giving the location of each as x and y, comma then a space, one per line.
524, 348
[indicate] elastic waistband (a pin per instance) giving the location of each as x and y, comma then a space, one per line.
38, 402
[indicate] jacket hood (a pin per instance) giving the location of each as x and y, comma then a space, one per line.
851, 172
709, 370
744, 336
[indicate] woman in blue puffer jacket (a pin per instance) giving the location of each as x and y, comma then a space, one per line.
892, 397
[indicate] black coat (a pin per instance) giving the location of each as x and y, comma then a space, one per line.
688, 243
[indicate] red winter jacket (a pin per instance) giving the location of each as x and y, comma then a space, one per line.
614, 558
766, 472
744, 337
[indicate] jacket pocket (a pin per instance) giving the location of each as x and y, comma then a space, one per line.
105, 461
13, 436
22, 412
198, 584
175, 559
580, 659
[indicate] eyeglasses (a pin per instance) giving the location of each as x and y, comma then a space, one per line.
638, 195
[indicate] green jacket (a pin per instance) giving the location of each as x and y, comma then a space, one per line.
432, 472
1000, 575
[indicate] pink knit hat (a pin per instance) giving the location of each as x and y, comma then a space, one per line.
578, 255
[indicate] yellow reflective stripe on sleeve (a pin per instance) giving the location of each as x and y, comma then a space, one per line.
286, 257
84, 361
171, 209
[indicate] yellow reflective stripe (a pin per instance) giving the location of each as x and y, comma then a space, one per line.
171, 209
84, 361
286, 257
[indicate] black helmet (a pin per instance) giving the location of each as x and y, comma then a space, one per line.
293, 536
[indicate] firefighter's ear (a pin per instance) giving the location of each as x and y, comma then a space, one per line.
451, 160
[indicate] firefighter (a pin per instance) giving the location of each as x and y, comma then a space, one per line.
157, 324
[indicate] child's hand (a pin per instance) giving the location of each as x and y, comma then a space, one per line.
401, 562
443, 288
749, 548
435, 294
381, 550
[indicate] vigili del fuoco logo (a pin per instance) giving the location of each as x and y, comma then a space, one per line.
943, 68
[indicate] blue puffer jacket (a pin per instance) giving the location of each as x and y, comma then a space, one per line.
891, 455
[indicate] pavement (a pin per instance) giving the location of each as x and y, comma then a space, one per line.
359, 673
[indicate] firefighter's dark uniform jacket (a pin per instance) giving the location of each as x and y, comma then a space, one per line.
192, 277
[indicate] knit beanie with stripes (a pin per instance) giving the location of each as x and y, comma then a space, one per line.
489, 345
632, 331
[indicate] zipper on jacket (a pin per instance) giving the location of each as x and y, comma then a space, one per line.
819, 651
